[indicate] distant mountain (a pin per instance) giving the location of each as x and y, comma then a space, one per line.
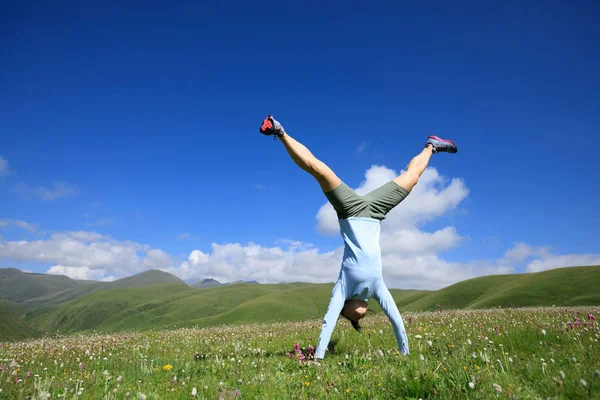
210, 283
146, 278
237, 282
45, 290
18, 286
206, 283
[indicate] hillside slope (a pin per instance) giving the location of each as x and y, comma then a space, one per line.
12, 326
18, 286
561, 287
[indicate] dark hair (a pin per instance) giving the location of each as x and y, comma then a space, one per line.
356, 325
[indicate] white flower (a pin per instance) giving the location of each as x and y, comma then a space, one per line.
194, 391
418, 336
120, 378
583, 382
421, 357
543, 332
510, 359
430, 343
142, 396
472, 385
562, 374
497, 387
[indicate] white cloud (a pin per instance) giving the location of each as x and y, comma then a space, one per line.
552, 261
3, 167
84, 273
87, 254
58, 190
362, 147
523, 251
4, 223
233, 261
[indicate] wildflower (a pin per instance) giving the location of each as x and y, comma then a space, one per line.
430, 343
142, 396
421, 357
120, 378
543, 332
194, 391
597, 373
497, 387
167, 367
472, 385
583, 382
562, 374
306, 383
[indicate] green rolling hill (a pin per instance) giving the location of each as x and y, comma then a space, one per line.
44, 290
563, 286
206, 284
18, 286
12, 325
154, 300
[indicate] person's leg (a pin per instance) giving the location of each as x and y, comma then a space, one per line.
383, 199
302, 156
415, 169
417, 165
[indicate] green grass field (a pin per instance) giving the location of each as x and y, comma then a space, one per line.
536, 353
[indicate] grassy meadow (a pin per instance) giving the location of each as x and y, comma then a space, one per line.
533, 353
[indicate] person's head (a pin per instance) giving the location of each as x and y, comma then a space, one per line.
354, 310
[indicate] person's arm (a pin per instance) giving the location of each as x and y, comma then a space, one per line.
331, 316
385, 299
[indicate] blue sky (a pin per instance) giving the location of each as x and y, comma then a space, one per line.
140, 123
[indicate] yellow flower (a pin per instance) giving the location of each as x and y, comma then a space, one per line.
306, 383
347, 390
167, 367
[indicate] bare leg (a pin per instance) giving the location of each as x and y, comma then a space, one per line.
327, 179
415, 169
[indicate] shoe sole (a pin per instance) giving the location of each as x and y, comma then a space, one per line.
266, 125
